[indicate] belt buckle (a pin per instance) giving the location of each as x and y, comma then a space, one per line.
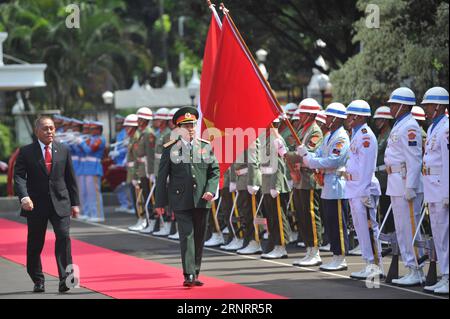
388, 169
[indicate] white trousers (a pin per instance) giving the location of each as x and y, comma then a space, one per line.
439, 227
403, 227
360, 222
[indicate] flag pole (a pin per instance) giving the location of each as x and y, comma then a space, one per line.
269, 89
213, 10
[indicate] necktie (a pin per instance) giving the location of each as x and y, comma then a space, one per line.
48, 159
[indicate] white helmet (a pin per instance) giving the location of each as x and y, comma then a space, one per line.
418, 113
131, 120
321, 117
436, 95
336, 109
403, 95
309, 105
144, 113
383, 112
296, 115
162, 114
173, 111
359, 107
289, 109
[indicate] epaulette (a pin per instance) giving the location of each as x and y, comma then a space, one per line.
205, 141
169, 143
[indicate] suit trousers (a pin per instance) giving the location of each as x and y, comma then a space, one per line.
192, 224
37, 227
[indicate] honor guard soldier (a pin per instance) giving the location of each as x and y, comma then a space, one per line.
362, 188
306, 191
419, 115
403, 160
193, 174
275, 190
248, 182
163, 136
435, 178
94, 147
382, 124
330, 160
144, 154
131, 125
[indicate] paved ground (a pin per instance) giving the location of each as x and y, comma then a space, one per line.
274, 276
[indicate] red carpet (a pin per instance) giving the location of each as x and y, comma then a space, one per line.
119, 275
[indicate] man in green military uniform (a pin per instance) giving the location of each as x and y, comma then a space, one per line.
275, 190
193, 174
306, 191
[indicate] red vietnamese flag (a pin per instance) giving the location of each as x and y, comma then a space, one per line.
238, 98
209, 58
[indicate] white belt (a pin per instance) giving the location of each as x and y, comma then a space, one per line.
381, 168
130, 164
158, 156
431, 170
391, 169
335, 172
142, 159
267, 170
351, 177
243, 171
91, 159
75, 158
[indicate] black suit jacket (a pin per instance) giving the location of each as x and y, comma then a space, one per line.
57, 190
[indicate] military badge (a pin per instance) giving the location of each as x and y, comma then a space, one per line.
411, 135
366, 144
364, 130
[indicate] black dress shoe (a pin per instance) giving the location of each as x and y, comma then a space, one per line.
198, 283
189, 281
62, 286
39, 287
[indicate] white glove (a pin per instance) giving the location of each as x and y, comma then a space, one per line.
152, 178
135, 182
252, 189
274, 193
3, 166
232, 187
445, 202
302, 150
368, 202
410, 194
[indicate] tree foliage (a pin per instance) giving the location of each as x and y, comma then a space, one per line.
81, 62
409, 48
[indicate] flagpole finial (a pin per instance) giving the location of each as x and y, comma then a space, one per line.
209, 3
224, 10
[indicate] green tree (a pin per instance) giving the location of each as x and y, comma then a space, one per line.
409, 48
82, 62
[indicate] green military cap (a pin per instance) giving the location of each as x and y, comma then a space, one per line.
187, 114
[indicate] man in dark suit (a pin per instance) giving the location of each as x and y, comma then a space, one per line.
46, 186
193, 174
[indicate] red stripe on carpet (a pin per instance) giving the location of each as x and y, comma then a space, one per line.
120, 275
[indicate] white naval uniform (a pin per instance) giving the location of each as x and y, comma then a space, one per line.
403, 159
436, 187
361, 182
